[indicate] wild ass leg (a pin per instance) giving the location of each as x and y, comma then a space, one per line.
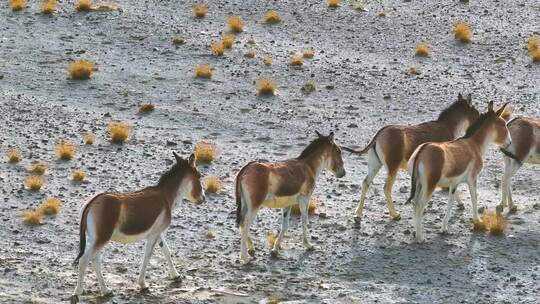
245, 240
472, 191
419, 205
97, 265
89, 253
286, 212
303, 202
150, 243
451, 196
374, 165
388, 193
511, 166
173, 274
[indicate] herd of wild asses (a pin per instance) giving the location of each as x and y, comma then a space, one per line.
445, 152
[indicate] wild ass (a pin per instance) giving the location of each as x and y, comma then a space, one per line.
393, 145
448, 164
525, 148
133, 216
281, 185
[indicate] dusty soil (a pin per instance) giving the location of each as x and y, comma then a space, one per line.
361, 64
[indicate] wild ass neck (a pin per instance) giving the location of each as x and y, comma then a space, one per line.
315, 160
482, 138
455, 124
170, 185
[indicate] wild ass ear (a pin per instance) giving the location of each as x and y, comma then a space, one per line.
490, 106
331, 135
318, 134
178, 158
191, 160
469, 100
504, 112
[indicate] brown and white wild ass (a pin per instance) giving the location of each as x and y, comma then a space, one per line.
133, 216
525, 148
281, 185
448, 164
393, 145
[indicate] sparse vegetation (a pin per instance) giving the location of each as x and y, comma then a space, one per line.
422, 49
309, 87
50, 206
495, 223
463, 32
272, 17
205, 152
266, 86
296, 60
228, 41
32, 217
65, 150
212, 184
359, 6
533, 45
38, 168
34, 182
479, 225
267, 60
178, 40
83, 5
414, 71
217, 48
308, 53
17, 5
146, 107
200, 10
249, 54
81, 69
236, 24
14, 156
48, 7
203, 71
313, 207
89, 138
118, 132
334, 3
78, 176
381, 14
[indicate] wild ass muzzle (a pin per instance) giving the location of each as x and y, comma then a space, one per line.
449, 164
281, 185
393, 145
525, 148
133, 216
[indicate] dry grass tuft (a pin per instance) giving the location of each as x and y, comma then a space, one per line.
50, 206
422, 49
218, 48
78, 176
334, 3
309, 87
205, 152
118, 132
266, 86
272, 17
495, 223
267, 60
360, 6
83, 5
308, 53
89, 138
414, 71
296, 60
32, 217
200, 10
382, 14
463, 32
203, 71
48, 7
39, 168
479, 225
210, 234
178, 40
14, 156
146, 107
81, 69
212, 184
235, 24
533, 44
65, 150
249, 54
228, 41
17, 5
33, 182
313, 207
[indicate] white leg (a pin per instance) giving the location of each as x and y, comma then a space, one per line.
244, 235
303, 202
286, 212
83, 265
150, 243
457, 197
97, 265
451, 194
173, 274
472, 191
514, 167
374, 165
505, 182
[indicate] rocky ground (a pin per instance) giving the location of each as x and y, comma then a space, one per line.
361, 64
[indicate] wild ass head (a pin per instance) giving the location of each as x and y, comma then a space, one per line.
332, 154
190, 185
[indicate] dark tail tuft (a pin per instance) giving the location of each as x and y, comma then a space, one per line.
238, 193
82, 231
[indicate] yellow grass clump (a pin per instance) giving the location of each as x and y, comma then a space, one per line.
33, 182
334, 3
495, 223
81, 69
14, 156
533, 44
296, 60
422, 49
50, 206
414, 71
308, 53
235, 24
32, 217
78, 176
178, 40
89, 138
39, 168
146, 107
83, 5
310, 86
359, 6
212, 184
313, 207
249, 54
479, 225
118, 132
17, 5
203, 71
48, 7
217, 48
65, 150
205, 152
272, 17
200, 10
228, 41
266, 86
463, 32
267, 60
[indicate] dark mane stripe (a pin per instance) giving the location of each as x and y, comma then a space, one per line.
312, 147
449, 110
477, 124
170, 174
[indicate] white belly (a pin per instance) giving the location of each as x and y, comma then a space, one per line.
158, 227
279, 202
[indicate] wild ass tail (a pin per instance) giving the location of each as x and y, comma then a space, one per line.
82, 230
370, 145
238, 194
415, 186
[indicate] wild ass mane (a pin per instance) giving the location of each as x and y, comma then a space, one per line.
312, 147
171, 173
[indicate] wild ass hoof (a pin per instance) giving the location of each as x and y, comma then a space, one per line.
357, 219
74, 299
443, 231
106, 293
251, 252
460, 206
513, 209
144, 290
274, 253
396, 217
